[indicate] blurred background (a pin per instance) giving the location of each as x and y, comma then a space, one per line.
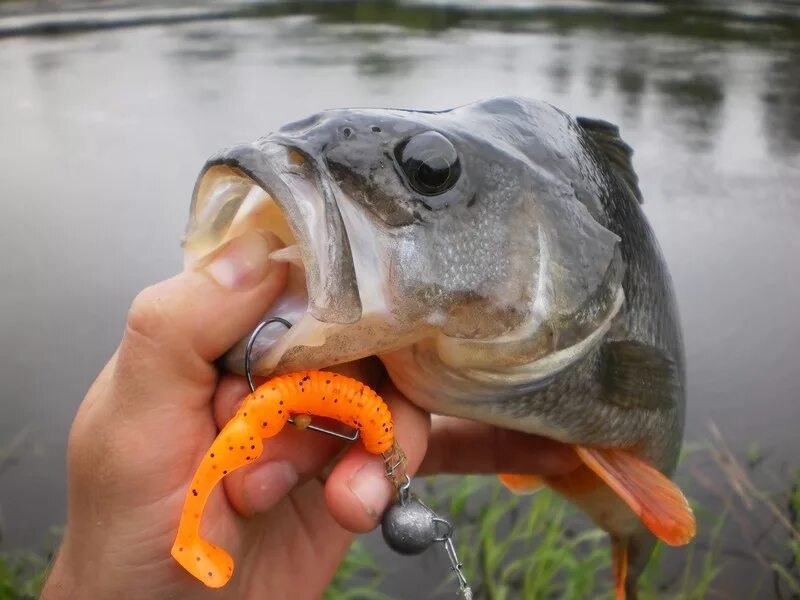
108, 110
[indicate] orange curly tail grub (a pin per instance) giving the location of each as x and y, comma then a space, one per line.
263, 414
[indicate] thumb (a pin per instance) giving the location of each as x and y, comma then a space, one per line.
177, 328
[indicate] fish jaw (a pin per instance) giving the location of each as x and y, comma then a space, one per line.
337, 310
270, 187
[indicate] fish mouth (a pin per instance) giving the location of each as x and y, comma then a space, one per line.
271, 187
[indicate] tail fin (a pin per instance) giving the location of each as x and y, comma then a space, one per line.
640, 547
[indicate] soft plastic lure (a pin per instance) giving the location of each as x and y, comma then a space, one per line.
263, 414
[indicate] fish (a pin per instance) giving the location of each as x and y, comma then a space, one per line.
496, 258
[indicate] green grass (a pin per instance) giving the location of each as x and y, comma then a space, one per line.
21, 575
358, 577
22, 572
540, 547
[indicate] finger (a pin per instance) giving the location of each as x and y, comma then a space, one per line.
357, 490
230, 392
462, 446
291, 458
178, 327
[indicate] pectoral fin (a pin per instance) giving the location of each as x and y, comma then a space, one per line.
520, 484
655, 499
639, 376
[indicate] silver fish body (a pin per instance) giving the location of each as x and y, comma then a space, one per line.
494, 256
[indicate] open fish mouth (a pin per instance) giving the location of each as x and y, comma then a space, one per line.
271, 187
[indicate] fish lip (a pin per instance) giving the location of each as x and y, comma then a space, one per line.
330, 277
303, 197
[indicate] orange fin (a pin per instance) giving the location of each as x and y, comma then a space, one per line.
520, 484
650, 494
619, 565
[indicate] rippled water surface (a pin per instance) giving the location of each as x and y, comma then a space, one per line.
102, 132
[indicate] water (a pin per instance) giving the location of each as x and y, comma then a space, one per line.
103, 132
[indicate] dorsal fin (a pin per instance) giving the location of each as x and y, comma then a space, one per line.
606, 136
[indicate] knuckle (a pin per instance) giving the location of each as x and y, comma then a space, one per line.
160, 337
147, 316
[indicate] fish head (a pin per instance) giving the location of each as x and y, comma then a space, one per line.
476, 227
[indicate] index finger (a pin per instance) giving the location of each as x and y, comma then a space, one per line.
463, 446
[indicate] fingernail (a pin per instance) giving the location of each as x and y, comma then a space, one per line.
243, 262
370, 486
266, 484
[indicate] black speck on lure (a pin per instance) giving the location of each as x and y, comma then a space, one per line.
495, 257
263, 414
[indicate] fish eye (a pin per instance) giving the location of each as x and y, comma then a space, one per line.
430, 163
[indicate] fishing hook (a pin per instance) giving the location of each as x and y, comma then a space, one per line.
248, 372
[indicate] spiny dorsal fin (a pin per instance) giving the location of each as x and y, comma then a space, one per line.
639, 376
606, 136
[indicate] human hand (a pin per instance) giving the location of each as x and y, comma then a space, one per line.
157, 406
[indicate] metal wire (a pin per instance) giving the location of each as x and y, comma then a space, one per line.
455, 564
445, 538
